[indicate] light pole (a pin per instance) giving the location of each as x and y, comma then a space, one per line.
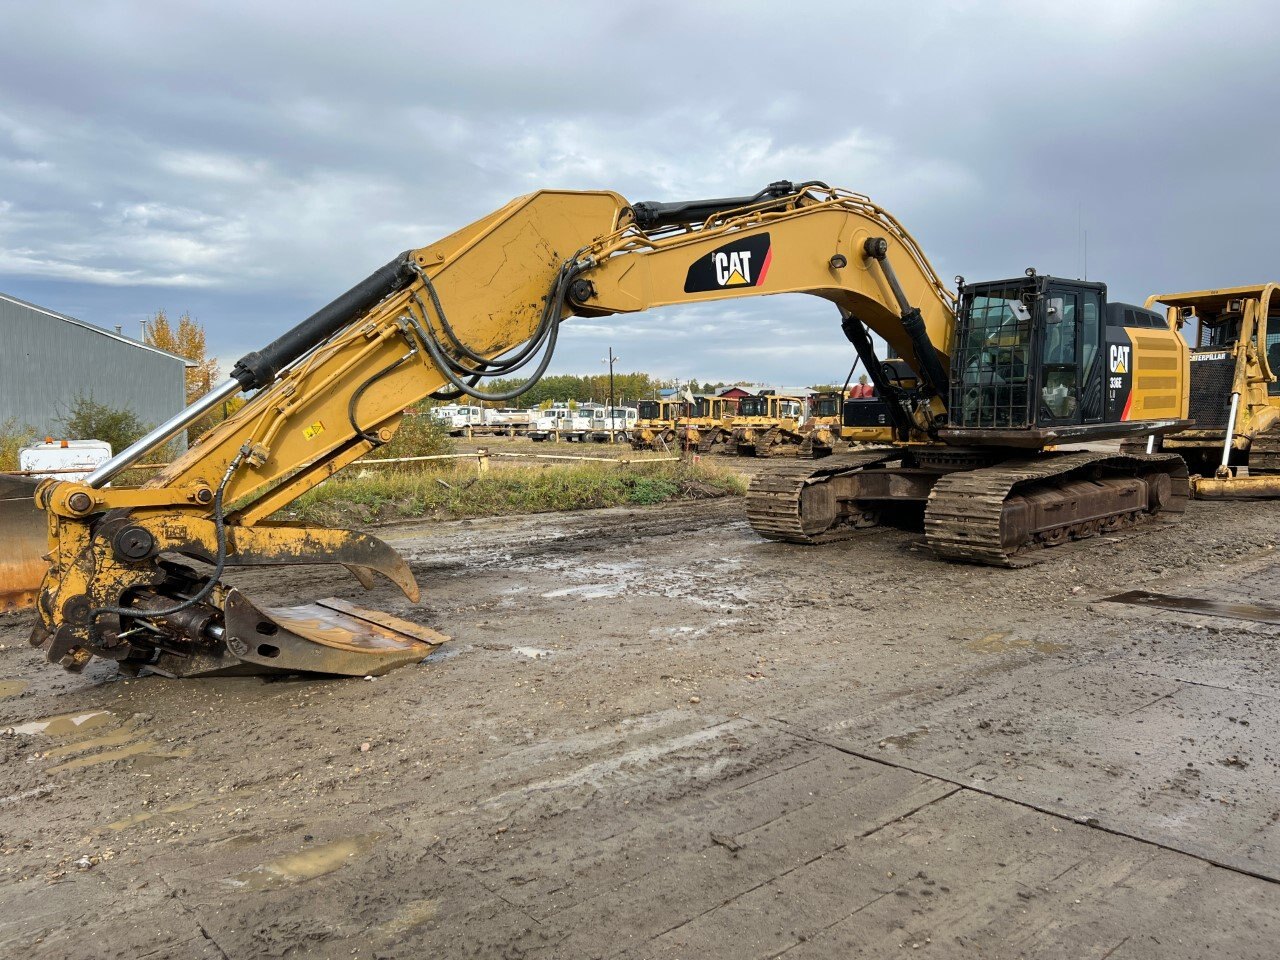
612, 426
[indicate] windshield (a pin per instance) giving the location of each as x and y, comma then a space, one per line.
753, 406
826, 407
994, 359
648, 409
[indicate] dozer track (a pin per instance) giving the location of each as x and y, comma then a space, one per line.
967, 517
789, 504
1264, 453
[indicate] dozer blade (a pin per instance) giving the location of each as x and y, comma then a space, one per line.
326, 637
24, 540
1265, 487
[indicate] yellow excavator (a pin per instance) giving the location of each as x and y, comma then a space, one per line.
1233, 450
1005, 369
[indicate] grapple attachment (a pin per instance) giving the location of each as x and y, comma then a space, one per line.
329, 636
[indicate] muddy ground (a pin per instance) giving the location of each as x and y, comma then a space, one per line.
655, 735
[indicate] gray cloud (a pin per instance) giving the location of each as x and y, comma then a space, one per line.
249, 161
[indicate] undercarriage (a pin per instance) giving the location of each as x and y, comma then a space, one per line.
990, 506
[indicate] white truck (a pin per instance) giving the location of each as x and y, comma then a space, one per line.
562, 423
511, 421
613, 423
458, 418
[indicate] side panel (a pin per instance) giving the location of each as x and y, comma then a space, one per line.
1119, 374
1147, 374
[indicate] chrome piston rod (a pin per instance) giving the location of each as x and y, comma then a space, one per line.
161, 434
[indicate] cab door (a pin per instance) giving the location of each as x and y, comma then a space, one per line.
1059, 396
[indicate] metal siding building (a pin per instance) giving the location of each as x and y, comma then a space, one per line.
47, 360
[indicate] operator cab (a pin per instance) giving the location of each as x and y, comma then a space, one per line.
825, 404
1032, 362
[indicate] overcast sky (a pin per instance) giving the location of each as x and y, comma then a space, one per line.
248, 161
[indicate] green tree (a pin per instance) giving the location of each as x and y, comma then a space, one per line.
90, 420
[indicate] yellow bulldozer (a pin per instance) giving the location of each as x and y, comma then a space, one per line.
1233, 450
710, 425
1008, 370
768, 425
657, 423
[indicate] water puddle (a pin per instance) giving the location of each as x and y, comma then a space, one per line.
11, 688
413, 914
599, 591
64, 724
109, 756
533, 653
305, 865
123, 735
1007, 643
241, 840
146, 815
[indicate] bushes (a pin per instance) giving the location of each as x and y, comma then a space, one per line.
420, 435
456, 491
90, 420
13, 437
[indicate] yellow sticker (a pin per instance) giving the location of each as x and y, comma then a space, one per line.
313, 431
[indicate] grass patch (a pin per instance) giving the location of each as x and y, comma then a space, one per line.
456, 492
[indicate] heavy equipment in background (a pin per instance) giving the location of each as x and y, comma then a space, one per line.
1015, 366
825, 418
1234, 396
657, 423
768, 425
866, 418
710, 424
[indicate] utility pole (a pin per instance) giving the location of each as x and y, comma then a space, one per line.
612, 424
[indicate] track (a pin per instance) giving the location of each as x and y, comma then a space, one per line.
963, 518
1264, 453
776, 500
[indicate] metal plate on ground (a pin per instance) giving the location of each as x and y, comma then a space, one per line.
1257, 612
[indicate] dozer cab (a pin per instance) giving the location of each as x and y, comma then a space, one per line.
1007, 371
657, 423
1233, 450
710, 425
768, 425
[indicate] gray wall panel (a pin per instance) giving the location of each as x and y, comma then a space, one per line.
47, 360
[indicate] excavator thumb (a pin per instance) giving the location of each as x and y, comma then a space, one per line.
24, 540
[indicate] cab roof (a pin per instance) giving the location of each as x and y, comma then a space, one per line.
1214, 299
